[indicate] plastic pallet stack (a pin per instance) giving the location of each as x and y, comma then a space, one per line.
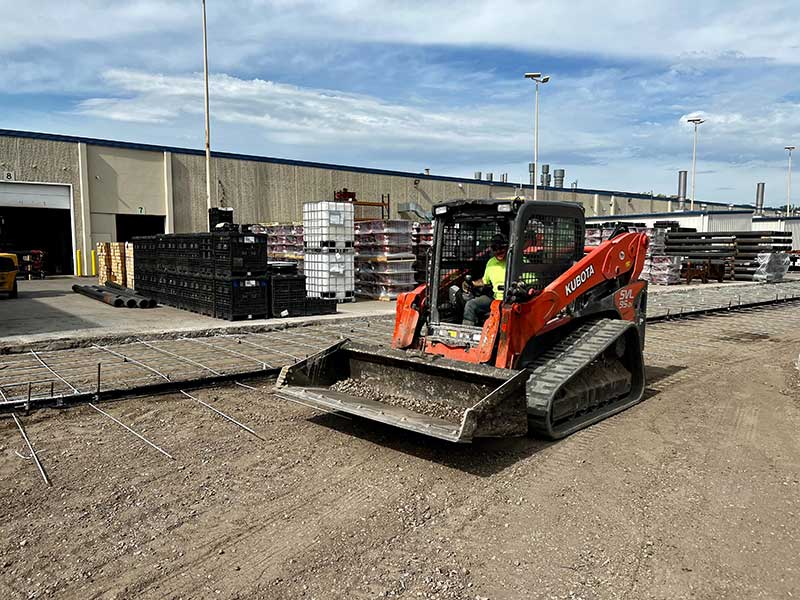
422, 242
328, 260
222, 275
762, 255
385, 259
285, 242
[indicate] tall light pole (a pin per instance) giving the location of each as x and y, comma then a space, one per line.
537, 78
208, 122
694, 121
789, 181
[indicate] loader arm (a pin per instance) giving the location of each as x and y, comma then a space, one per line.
619, 258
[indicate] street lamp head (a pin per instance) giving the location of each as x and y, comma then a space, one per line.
695, 120
546, 78
789, 148
532, 75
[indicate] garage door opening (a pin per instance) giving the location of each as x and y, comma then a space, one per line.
47, 229
129, 226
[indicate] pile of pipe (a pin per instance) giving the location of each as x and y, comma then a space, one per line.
115, 295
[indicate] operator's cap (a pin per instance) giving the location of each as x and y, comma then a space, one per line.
499, 241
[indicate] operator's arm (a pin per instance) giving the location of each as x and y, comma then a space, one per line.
485, 280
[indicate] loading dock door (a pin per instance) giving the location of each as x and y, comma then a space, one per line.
129, 226
37, 217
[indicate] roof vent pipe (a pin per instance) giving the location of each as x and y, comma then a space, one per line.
504, 178
558, 178
427, 171
760, 199
545, 179
490, 177
681, 190
478, 175
532, 172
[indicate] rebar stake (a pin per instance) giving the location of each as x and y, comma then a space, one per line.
32, 451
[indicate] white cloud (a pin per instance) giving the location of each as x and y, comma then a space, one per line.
295, 115
663, 28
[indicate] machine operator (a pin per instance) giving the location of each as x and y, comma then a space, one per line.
477, 309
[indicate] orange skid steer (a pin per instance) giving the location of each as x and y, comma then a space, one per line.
560, 351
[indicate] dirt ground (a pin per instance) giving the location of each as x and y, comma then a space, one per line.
694, 493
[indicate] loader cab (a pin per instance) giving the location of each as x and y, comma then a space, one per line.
545, 239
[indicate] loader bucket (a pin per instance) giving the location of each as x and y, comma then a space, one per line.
434, 396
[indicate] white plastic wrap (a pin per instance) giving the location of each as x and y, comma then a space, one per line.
771, 267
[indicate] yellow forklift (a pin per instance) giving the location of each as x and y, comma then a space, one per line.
9, 266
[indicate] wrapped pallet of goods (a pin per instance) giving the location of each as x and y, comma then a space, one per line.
762, 255
385, 259
285, 242
328, 253
660, 269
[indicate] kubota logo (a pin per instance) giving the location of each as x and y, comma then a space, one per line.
579, 280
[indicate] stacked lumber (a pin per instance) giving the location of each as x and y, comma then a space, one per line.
129, 270
110, 262
103, 253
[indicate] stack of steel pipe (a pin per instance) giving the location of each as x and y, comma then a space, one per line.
115, 295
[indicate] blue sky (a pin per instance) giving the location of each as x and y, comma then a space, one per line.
410, 85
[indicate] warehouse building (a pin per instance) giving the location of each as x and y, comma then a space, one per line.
63, 194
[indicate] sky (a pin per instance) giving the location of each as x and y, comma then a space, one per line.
438, 84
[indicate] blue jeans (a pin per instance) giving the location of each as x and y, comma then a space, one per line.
477, 309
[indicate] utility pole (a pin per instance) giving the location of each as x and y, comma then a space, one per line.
694, 121
208, 121
537, 78
789, 182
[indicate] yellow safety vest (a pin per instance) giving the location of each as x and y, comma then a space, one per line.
495, 274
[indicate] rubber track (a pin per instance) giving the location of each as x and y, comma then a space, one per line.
554, 368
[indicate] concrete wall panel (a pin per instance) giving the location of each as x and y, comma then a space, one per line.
125, 181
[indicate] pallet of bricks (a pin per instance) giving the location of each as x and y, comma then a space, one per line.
704, 254
762, 255
110, 262
328, 263
660, 268
222, 275
384, 258
421, 242
285, 242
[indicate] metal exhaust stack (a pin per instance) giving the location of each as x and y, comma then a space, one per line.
558, 178
681, 190
760, 199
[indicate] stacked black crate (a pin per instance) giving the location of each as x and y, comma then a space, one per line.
222, 275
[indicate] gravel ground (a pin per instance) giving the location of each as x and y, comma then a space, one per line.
433, 407
695, 493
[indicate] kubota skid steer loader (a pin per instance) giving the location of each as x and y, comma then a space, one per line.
561, 350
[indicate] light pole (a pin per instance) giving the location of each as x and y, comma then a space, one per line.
537, 78
208, 122
694, 121
789, 181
